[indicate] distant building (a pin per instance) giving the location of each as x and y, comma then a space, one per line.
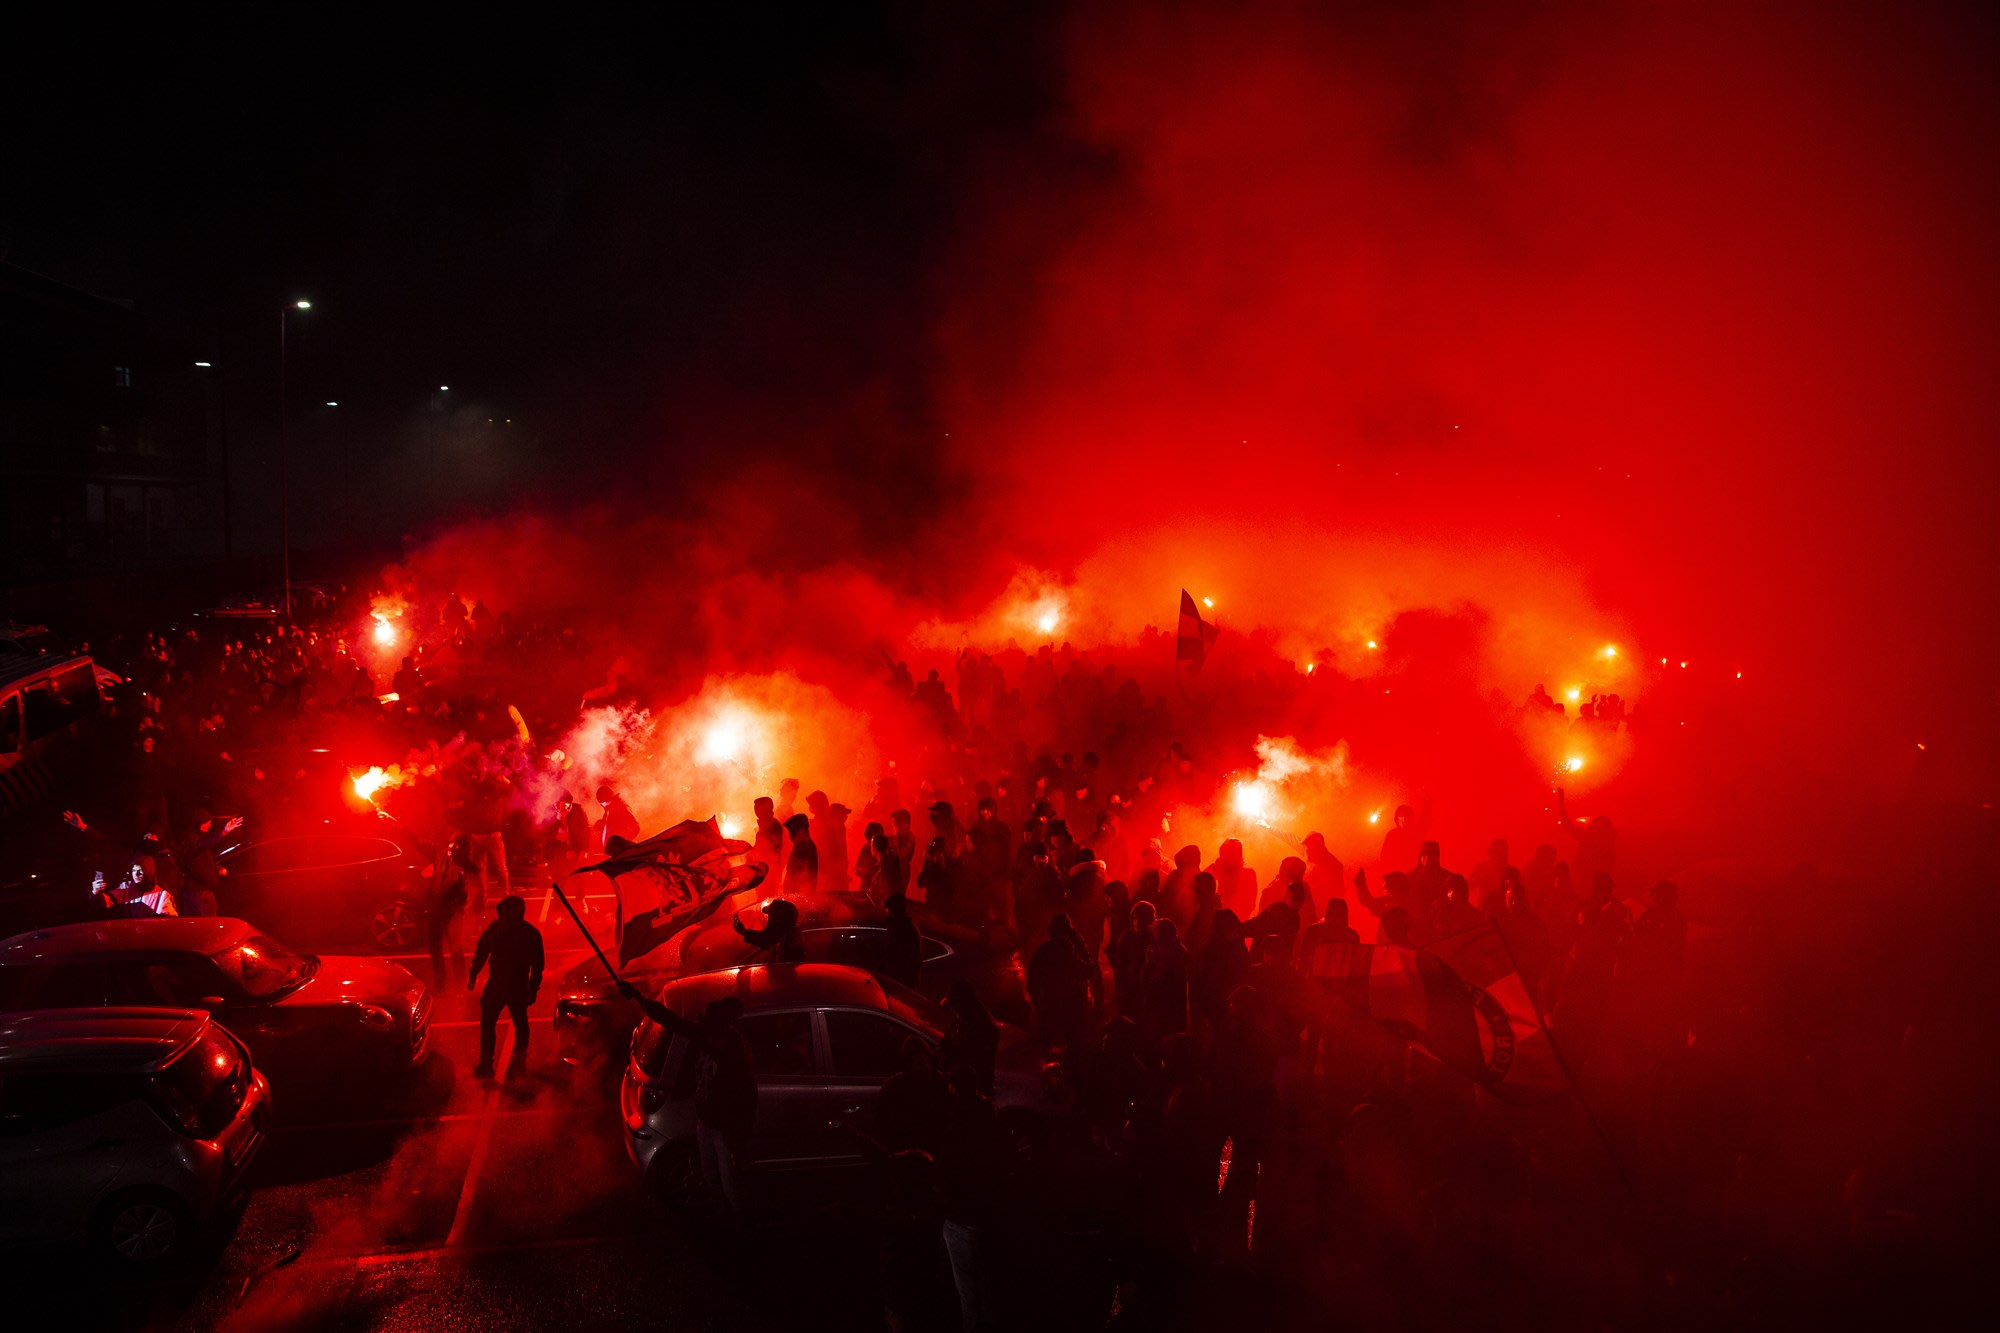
103, 426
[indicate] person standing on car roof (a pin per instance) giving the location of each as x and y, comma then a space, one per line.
514, 948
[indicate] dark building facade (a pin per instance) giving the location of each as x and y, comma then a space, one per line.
103, 431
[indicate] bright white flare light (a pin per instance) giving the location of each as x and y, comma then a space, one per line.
724, 740
385, 633
1047, 621
1573, 764
727, 824
1253, 801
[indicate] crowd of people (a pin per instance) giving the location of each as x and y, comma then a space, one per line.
1241, 1141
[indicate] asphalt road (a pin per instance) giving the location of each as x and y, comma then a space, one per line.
446, 1202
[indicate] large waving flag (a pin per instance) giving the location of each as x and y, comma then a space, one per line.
1463, 1000
1191, 644
671, 880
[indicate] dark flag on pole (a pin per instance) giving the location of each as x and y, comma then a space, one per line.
1462, 1000
1191, 644
671, 880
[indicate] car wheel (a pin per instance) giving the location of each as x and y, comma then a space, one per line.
676, 1177
393, 926
143, 1228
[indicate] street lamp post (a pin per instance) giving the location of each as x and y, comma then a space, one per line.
222, 442
285, 459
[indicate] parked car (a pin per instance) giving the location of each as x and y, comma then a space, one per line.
594, 1022
48, 705
331, 887
132, 1128
823, 1039
297, 1012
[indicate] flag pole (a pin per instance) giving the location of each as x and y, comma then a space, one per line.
589, 939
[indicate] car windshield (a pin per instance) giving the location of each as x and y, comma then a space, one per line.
265, 968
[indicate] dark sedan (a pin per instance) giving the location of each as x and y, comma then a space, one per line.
594, 1022
330, 888
295, 1011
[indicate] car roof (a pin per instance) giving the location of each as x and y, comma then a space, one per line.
17, 670
99, 1040
173, 934
763, 986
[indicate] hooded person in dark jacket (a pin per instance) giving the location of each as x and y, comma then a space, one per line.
802, 865
724, 1084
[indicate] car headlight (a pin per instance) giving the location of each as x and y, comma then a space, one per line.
374, 1016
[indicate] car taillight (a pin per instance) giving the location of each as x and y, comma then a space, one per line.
179, 1116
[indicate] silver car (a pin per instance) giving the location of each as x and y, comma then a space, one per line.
129, 1128
823, 1039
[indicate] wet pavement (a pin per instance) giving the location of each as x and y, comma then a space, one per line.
447, 1202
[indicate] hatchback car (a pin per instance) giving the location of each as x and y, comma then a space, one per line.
823, 1040
295, 1011
129, 1127
594, 1022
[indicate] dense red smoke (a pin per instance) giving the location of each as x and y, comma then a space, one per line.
1682, 316
1447, 350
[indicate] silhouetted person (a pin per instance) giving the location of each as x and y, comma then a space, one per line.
1207, 902
447, 906
1166, 982
1324, 873
724, 1085
1128, 960
888, 877
1038, 891
1235, 883
1596, 842
1456, 914
972, 1038
903, 943
1488, 892
1527, 938
1059, 985
1176, 901
618, 821
779, 935
513, 948
802, 865
770, 836
1405, 835
1219, 967
910, 1111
